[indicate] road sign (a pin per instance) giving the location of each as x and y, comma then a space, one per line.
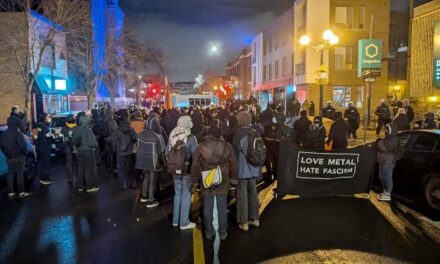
370, 79
370, 57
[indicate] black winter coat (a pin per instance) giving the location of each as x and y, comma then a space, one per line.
12, 142
339, 133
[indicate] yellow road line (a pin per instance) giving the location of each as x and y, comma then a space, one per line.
198, 251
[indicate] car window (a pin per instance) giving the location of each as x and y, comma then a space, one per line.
425, 143
403, 140
58, 121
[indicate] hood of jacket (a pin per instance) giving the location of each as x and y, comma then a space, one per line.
84, 121
124, 127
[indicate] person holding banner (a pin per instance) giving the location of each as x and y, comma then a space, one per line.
339, 132
247, 198
316, 135
387, 148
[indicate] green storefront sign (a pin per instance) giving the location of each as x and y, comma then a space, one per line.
370, 58
436, 57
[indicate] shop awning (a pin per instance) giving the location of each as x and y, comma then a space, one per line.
40, 85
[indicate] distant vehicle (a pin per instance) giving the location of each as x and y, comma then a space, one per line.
417, 173
193, 100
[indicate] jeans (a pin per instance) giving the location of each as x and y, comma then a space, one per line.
86, 169
43, 159
149, 185
247, 201
386, 176
182, 200
16, 169
208, 213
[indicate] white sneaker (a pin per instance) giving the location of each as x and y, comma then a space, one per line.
94, 189
46, 182
244, 227
24, 194
11, 195
191, 225
153, 204
144, 200
255, 223
384, 196
175, 225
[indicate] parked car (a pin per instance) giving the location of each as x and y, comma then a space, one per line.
55, 126
30, 166
417, 174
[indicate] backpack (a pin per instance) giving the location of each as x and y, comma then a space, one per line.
176, 159
256, 151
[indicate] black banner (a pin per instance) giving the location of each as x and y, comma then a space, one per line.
321, 173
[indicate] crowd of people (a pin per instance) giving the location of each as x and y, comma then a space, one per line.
209, 148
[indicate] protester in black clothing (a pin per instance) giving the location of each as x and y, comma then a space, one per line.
13, 145
266, 120
409, 110
395, 105
329, 111
312, 108
300, 128
125, 139
296, 108
171, 122
43, 142
69, 150
316, 134
384, 115
198, 121
400, 121
339, 132
17, 119
353, 118
282, 131
428, 123
85, 143
150, 157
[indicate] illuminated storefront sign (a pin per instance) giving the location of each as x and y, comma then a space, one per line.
436, 57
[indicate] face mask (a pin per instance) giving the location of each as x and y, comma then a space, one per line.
274, 120
48, 120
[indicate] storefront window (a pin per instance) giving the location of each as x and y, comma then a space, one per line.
341, 96
360, 96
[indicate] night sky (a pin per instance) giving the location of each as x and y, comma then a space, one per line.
184, 29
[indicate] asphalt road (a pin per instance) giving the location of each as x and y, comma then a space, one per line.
59, 225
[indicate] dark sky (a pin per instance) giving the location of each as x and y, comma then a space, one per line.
184, 29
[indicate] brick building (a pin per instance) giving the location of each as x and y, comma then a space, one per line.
238, 73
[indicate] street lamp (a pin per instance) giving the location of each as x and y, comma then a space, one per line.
330, 39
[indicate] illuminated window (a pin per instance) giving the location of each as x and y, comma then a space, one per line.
342, 95
344, 17
60, 85
360, 96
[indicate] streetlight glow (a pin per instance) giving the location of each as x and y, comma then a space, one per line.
334, 40
328, 35
305, 40
214, 49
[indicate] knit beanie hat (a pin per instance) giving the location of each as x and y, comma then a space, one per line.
185, 122
244, 119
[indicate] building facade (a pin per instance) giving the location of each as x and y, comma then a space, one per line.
50, 92
351, 22
273, 60
238, 73
425, 57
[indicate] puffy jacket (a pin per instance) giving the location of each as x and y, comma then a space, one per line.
300, 129
12, 142
83, 137
329, 112
211, 153
150, 153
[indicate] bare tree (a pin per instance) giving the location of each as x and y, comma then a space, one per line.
26, 38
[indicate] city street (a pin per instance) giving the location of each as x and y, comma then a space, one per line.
60, 225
